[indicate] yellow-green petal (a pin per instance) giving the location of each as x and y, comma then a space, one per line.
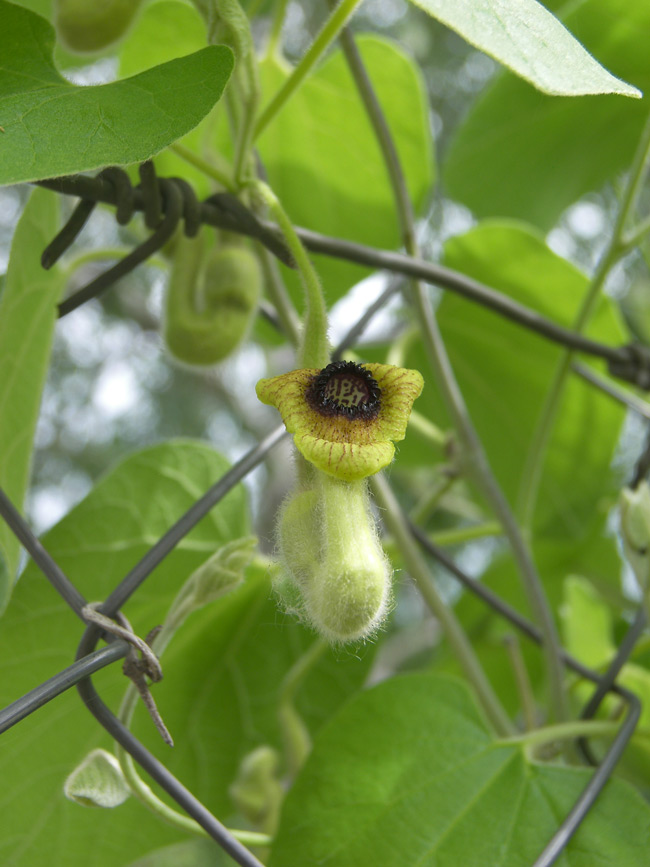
348, 448
346, 461
399, 389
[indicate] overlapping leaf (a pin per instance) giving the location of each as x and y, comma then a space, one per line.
523, 154
505, 372
408, 773
322, 142
528, 39
222, 671
52, 127
27, 317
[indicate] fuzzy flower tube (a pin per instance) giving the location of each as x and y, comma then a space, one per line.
344, 418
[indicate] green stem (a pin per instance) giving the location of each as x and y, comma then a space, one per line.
564, 731
472, 449
427, 429
476, 461
400, 347
295, 735
250, 95
422, 510
319, 46
314, 351
146, 796
522, 680
273, 45
532, 471
221, 176
394, 519
107, 253
140, 790
277, 292
634, 237
461, 535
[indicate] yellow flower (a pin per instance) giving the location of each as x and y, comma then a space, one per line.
345, 417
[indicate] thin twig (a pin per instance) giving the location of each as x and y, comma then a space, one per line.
473, 451
396, 523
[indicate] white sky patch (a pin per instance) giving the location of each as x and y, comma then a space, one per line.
346, 311
587, 220
117, 390
562, 242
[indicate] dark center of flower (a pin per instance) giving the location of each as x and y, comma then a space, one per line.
345, 388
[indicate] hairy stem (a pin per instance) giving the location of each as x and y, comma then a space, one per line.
273, 45
294, 732
314, 350
146, 796
522, 680
277, 292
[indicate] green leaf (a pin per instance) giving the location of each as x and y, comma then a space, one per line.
222, 671
164, 31
27, 317
587, 623
505, 372
322, 141
55, 128
95, 545
408, 773
193, 853
522, 154
526, 38
594, 555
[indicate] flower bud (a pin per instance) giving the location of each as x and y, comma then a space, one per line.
635, 530
257, 791
211, 301
86, 26
97, 782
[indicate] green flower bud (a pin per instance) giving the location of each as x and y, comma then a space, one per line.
635, 530
86, 26
257, 791
97, 782
210, 303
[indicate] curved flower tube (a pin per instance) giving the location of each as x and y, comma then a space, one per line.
345, 417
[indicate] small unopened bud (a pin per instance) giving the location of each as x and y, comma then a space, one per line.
222, 572
211, 301
83, 26
257, 791
635, 530
97, 782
